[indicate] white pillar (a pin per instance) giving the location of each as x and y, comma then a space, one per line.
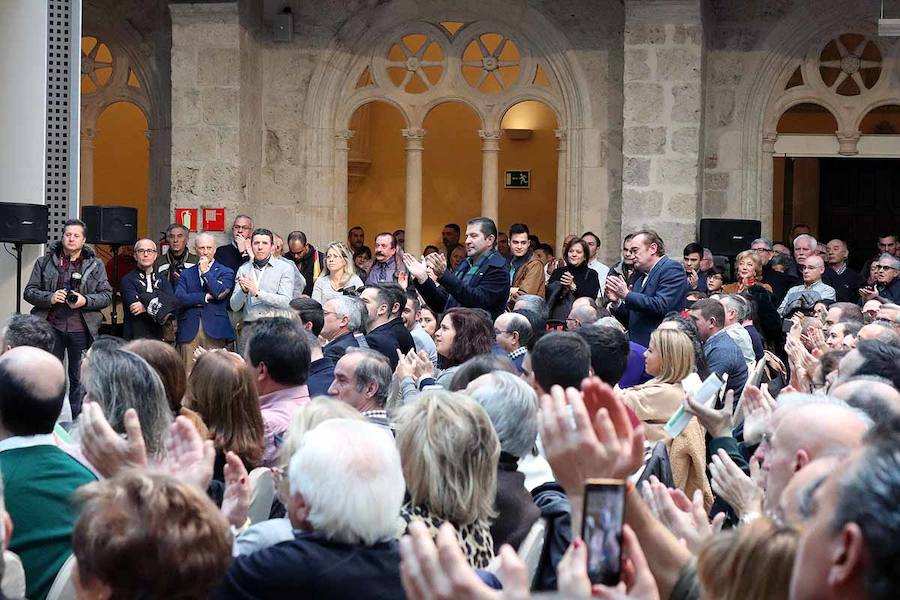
413, 217
562, 199
490, 175
23, 124
341, 155
86, 182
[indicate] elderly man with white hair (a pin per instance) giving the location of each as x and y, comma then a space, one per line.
887, 284
811, 290
203, 294
346, 489
512, 406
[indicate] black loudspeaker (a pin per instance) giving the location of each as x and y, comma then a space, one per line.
728, 237
110, 224
23, 223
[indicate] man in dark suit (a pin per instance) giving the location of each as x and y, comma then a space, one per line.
237, 251
722, 355
343, 318
148, 297
845, 281
659, 288
203, 293
386, 331
480, 281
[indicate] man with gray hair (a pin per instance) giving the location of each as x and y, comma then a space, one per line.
512, 406
512, 333
763, 249
362, 379
343, 319
148, 298
346, 489
736, 311
886, 288
27, 330
811, 290
581, 315
805, 246
178, 257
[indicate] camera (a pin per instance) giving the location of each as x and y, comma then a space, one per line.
74, 284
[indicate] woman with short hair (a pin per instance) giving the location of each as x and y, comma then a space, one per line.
574, 280
749, 272
222, 391
449, 452
339, 274
143, 535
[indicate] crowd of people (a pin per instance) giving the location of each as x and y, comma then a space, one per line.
432, 424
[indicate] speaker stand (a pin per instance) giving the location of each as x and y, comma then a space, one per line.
118, 288
18, 246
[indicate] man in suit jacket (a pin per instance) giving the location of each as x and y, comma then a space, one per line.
343, 318
722, 355
237, 252
203, 293
480, 281
659, 288
40, 479
148, 297
386, 331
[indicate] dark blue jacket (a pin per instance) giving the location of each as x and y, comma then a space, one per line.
133, 287
846, 285
488, 288
389, 338
321, 374
723, 356
647, 303
191, 293
311, 567
336, 348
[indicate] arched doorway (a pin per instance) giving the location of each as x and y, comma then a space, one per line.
529, 144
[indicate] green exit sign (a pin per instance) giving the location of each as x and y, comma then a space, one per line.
518, 180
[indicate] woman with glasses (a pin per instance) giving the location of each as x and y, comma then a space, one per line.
339, 276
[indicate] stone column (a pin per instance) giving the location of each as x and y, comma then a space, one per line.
767, 176
663, 103
413, 222
341, 154
86, 152
490, 174
562, 199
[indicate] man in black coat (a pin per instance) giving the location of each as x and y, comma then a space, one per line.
480, 281
147, 296
237, 251
386, 331
342, 319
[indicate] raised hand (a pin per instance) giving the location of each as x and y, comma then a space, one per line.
105, 449
638, 580
438, 263
758, 407
236, 500
189, 457
717, 422
685, 518
733, 486
416, 269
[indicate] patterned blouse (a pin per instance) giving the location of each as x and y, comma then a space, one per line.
475, 538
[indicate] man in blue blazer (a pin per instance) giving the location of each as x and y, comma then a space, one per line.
480, 281
203, 292
659, 288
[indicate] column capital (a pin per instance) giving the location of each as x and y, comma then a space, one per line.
414, 137
768, 141
848, 141
562, 136
342, 138
490, 139
87, 136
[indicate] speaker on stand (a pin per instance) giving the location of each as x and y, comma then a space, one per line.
113, 226
20, 224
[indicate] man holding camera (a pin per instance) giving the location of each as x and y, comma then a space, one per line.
68, 286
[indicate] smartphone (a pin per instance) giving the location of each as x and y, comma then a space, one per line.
601, 529
787, 325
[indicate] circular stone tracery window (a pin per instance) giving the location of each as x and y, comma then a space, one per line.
850, 64
96, 64
491, 63
415, 63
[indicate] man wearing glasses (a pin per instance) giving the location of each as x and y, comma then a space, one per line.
886, 288
236, 252
812, 288
147, 296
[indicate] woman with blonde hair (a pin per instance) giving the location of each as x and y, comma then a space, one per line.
339, 274
222, 391
749, 272
308, 417
669, 359
449, 451
753, 562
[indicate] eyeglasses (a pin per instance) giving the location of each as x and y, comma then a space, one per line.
145, 251
761, 250
499, 331
571, 320
808, 268
883, 268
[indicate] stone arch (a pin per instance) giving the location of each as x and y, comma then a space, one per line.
766, 97
460, 99
887, 100
332, 85
500, 111
343, 119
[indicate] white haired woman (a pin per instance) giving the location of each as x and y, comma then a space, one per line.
449, 451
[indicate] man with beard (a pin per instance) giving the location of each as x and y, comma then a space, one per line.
309, 261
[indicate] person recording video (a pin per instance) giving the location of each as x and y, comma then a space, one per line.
68, 286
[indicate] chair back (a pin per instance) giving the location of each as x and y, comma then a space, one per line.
63, 587
532, 546
262, 493
13, 584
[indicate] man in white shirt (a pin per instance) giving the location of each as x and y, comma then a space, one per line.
593, 243
735, 313
265, 285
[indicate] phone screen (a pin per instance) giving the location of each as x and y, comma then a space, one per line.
601, 529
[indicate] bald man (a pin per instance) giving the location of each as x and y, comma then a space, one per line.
811, 290
871, 394
40, 479
147, 296
805, 433
203, 293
